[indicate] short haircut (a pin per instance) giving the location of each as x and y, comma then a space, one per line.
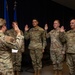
35, 19
57, 20
73, 19
15, 22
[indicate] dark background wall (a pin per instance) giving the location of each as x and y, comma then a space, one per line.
46, 11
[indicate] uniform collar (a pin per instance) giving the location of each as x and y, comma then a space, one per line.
57, 29
72, 30
36, 27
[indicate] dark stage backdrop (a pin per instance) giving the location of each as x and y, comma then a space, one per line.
46, 11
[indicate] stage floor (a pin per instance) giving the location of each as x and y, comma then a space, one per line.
47, 70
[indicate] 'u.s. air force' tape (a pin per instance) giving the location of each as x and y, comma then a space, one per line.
14, 51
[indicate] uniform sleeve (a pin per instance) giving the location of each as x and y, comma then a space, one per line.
44, 39
26, 35
64, 47
62, 36
12, 43
47, 34
23, 46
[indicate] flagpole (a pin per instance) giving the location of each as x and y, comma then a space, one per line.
6, 14
15, 14
4, 9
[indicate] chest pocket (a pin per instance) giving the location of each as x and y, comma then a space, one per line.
55, 35
35, 34
71, 37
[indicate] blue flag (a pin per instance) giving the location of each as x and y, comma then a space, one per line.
6, 15
15, 14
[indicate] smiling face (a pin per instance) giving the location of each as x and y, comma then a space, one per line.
34, 22
72, 24
56, 24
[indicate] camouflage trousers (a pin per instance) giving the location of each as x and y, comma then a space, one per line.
36, 56
17, 58
71, 62
6, 67
57, 60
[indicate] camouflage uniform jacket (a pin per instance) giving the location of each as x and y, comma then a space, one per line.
37, 38
55, 41
69, 38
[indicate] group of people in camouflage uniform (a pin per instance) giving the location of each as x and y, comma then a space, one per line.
62, 43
